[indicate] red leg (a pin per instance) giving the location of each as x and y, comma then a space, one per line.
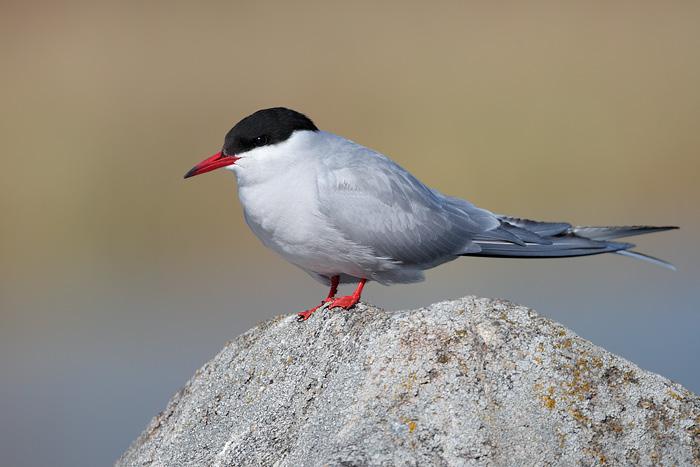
335, 280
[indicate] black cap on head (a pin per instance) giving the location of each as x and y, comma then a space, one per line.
265, 127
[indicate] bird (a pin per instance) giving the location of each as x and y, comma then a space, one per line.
347, 214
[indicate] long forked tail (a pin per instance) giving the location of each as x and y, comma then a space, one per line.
523, 238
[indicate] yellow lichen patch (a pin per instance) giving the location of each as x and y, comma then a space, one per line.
411, 422
546, 400
549, 401
562, 437
565, 344
580, 418
410, 380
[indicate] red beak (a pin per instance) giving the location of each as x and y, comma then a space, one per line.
214, 162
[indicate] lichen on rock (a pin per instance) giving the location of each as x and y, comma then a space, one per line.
472, 381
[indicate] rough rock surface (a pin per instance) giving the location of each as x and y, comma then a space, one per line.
466, 382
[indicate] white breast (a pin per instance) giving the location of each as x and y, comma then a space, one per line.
278, 188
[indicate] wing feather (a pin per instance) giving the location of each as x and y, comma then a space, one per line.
406, 222
402, 219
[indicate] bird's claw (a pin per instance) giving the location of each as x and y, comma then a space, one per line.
304, 315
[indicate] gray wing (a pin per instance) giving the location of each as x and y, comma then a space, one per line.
376, 203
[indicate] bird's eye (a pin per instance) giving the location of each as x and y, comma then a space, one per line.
260, 140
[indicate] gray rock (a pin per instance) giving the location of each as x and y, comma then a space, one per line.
466, 382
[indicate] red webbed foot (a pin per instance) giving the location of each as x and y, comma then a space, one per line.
341, 302
344, 302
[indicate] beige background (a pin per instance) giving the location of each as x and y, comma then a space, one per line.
119, 279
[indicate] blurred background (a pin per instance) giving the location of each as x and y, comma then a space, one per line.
118, 279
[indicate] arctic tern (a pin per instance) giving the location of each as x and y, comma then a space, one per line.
347, 214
